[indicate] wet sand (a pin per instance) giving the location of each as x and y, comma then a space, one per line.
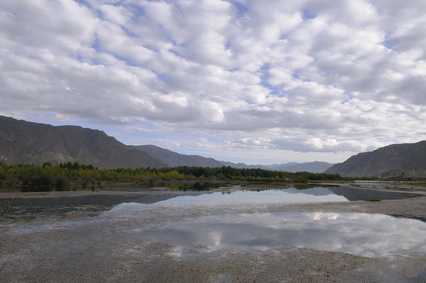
78, 246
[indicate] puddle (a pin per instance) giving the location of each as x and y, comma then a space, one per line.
368, 235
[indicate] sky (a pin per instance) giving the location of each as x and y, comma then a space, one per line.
250, 81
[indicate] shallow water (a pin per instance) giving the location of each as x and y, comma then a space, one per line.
368, 235
171, 236
257, 195
238, 198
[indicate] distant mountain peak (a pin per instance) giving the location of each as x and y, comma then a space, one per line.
174, 159
396, 160
313, 166
36, 143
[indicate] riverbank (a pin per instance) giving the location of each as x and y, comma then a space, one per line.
102, 246
18, 206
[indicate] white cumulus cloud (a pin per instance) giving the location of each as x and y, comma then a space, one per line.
290, 76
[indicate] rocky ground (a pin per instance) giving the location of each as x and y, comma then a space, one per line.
83, 245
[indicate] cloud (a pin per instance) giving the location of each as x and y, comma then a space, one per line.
317, 145
302, 76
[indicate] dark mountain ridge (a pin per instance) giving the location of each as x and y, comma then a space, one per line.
397, 160
313, 167
174, 159
33, 143
23, 142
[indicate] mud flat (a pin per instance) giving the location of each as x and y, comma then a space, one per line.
24, 207
168, 240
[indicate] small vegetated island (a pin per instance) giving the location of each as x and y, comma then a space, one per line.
75, 176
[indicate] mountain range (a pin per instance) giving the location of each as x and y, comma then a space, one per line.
23, 142
313, 167
174, 159
397, 160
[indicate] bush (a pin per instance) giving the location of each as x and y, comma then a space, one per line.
37, 184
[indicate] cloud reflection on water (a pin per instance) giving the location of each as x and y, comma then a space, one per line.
369, 235
236, 198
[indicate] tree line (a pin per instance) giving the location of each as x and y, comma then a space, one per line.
75, 176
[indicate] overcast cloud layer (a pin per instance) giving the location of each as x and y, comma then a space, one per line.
244, 80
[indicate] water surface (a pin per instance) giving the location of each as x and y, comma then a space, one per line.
150, 236
260, 197
368, 235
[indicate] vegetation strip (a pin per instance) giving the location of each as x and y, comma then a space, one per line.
75, 176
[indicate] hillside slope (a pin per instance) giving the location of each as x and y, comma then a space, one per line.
313, 167
174, 159
27, 142
396, 160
